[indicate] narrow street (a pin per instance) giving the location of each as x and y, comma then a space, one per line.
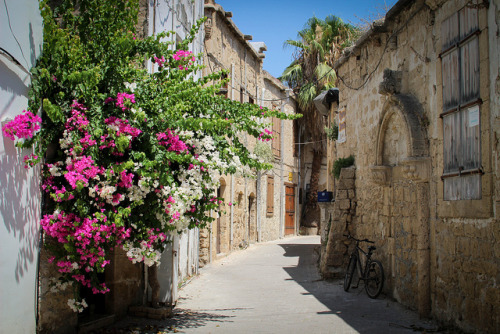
274, 287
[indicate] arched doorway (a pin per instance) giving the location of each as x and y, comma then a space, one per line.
402, 171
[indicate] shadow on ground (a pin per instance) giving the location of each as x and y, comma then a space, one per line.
355, 308
181, 320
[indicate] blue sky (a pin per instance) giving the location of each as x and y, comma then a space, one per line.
274, 21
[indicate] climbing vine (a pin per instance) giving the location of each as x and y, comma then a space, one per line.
128, 155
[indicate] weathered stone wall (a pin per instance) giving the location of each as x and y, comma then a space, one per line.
227, 48
336, 222
440, 257
125, 281
53, 305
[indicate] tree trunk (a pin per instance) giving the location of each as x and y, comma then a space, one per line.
312, 214
155, 286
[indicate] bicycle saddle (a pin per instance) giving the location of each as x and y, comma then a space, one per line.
371, 248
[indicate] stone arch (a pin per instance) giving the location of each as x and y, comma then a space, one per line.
404, 177
405, 110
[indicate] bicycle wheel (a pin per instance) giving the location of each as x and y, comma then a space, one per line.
351, 267
374, 279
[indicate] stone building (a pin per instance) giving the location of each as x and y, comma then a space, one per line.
261, 210
419, 111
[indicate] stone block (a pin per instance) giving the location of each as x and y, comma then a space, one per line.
351, 194
346, 184
341, 194
344, 204
347, 173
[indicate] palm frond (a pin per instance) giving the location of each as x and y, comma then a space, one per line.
292, 74
307, 94
296, 44
325, 75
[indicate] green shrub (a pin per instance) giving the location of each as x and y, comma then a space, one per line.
333, 132
342, 163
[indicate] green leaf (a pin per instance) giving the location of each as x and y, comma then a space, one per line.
53, 111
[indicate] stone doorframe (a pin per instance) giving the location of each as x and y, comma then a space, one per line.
415, 167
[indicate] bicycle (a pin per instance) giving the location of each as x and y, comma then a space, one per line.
372, 273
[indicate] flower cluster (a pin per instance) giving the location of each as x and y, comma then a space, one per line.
124, 100
77, 306
266, 135
171, 141
186, 57
22, 126
137, 157
160, 61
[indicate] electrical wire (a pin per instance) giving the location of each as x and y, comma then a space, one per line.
386, 46
229, 85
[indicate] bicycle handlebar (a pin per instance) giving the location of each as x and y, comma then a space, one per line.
360, 240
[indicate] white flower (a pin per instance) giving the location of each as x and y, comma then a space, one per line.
131, 86
77, 306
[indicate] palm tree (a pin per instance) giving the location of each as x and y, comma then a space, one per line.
319, 45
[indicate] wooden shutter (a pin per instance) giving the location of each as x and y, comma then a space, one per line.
270, 196
469, 71
461, 105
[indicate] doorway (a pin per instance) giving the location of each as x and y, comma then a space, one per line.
289, 209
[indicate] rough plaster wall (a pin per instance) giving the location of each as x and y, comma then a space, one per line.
464, 235
19, 194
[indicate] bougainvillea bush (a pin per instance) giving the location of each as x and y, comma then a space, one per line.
129, 155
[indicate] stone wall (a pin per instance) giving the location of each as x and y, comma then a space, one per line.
53, 304
336, 222
246, 221
440, 256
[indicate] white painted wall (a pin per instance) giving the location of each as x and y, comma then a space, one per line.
21, 37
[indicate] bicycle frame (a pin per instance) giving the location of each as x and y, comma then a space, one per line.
371, 271
360, 268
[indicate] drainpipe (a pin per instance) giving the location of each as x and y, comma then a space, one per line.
282, 194
259, 185
299, 173
257, 208
232, 175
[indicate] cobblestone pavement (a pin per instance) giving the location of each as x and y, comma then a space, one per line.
275, 287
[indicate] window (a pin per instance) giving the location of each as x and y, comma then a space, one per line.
270, 196
461, 106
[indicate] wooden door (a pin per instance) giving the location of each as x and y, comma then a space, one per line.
290, 210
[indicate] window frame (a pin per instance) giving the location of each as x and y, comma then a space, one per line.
461, 98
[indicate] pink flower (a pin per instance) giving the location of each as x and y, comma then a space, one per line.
126, 179
22, 126
30, 160
159, 61
171, 141
185, 57
123, 98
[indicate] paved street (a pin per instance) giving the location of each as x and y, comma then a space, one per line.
274, 287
